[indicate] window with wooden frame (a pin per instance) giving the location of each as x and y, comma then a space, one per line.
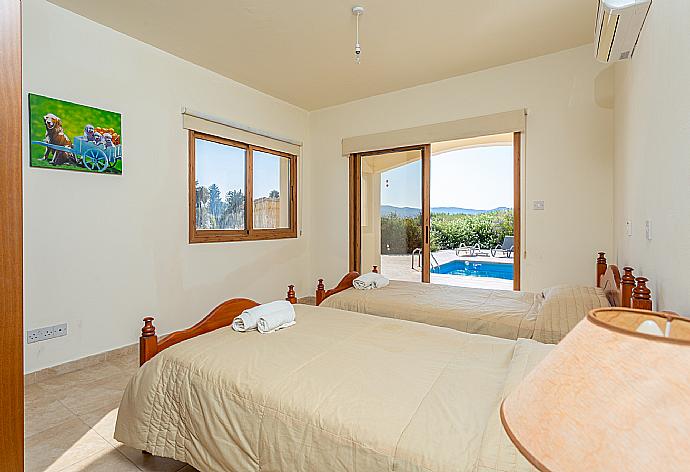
239, 191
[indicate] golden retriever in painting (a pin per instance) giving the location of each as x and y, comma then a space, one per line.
56, 135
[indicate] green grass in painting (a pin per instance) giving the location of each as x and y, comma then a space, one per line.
74, 117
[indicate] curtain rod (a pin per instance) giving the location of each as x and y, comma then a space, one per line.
234, 124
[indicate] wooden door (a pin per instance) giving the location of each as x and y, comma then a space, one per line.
11, 338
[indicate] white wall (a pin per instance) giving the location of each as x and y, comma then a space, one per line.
652, 155
568, 157
103, 251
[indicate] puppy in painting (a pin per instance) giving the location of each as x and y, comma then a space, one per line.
56, 135
108, 140
89, 131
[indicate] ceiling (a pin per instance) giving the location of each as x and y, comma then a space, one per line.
302, 51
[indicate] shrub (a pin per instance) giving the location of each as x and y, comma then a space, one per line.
402, 235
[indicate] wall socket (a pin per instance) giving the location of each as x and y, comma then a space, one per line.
41, 334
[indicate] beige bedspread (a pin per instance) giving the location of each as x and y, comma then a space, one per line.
339, 391
564, 306
501, 313
546, 317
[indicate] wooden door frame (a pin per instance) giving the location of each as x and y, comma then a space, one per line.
355, 206
517, 209
426, 213
11, 245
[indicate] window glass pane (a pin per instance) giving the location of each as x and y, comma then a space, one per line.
220, 185
271, 191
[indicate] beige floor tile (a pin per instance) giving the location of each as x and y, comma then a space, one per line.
67, 367
128, 364
30, 379
108, 460
34, 393
92, 396
70, 421
62, 446
103, 422
149, 463
60, 383
44, 413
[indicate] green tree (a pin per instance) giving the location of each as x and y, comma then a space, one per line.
233, 215
274, 194
215, 205
203, 220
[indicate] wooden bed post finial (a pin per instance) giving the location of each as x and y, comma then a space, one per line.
375, 270
320, 292
601, 267
627, 287
148, 342
148, 329
291, 294
641, 298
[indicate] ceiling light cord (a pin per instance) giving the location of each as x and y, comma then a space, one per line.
357, 11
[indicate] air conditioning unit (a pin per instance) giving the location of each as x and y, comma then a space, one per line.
619, 24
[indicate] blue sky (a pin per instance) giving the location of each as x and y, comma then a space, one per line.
478, 178
224, 166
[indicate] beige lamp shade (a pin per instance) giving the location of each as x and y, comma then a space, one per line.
608, 398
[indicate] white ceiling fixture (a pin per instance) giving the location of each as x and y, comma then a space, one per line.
301, 51
357, 11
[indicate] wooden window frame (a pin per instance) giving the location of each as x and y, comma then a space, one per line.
248, 233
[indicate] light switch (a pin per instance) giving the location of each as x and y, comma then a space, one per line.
648, 229
628, 228
538, 205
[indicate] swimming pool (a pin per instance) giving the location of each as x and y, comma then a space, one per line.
476, 269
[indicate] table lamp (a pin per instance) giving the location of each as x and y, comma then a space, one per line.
612, 396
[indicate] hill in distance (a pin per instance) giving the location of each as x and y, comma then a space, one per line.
407, 212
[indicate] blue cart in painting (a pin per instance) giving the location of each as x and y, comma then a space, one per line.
93, 156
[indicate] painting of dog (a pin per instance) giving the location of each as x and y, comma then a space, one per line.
55, 134
70, 136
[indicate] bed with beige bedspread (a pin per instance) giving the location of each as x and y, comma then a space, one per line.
546, 317
339, 391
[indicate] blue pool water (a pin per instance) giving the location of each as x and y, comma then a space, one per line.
476, 269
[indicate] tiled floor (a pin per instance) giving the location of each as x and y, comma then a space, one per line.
70, 418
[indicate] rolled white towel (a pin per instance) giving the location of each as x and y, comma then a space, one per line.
249, 319
370, 281
277, 319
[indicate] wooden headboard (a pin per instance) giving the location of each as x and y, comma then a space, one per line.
626, 291
220, 316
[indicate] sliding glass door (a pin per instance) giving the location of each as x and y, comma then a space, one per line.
470, 238
393, 222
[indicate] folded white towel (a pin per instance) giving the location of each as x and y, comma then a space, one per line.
370, 281
249, 319
277, 319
